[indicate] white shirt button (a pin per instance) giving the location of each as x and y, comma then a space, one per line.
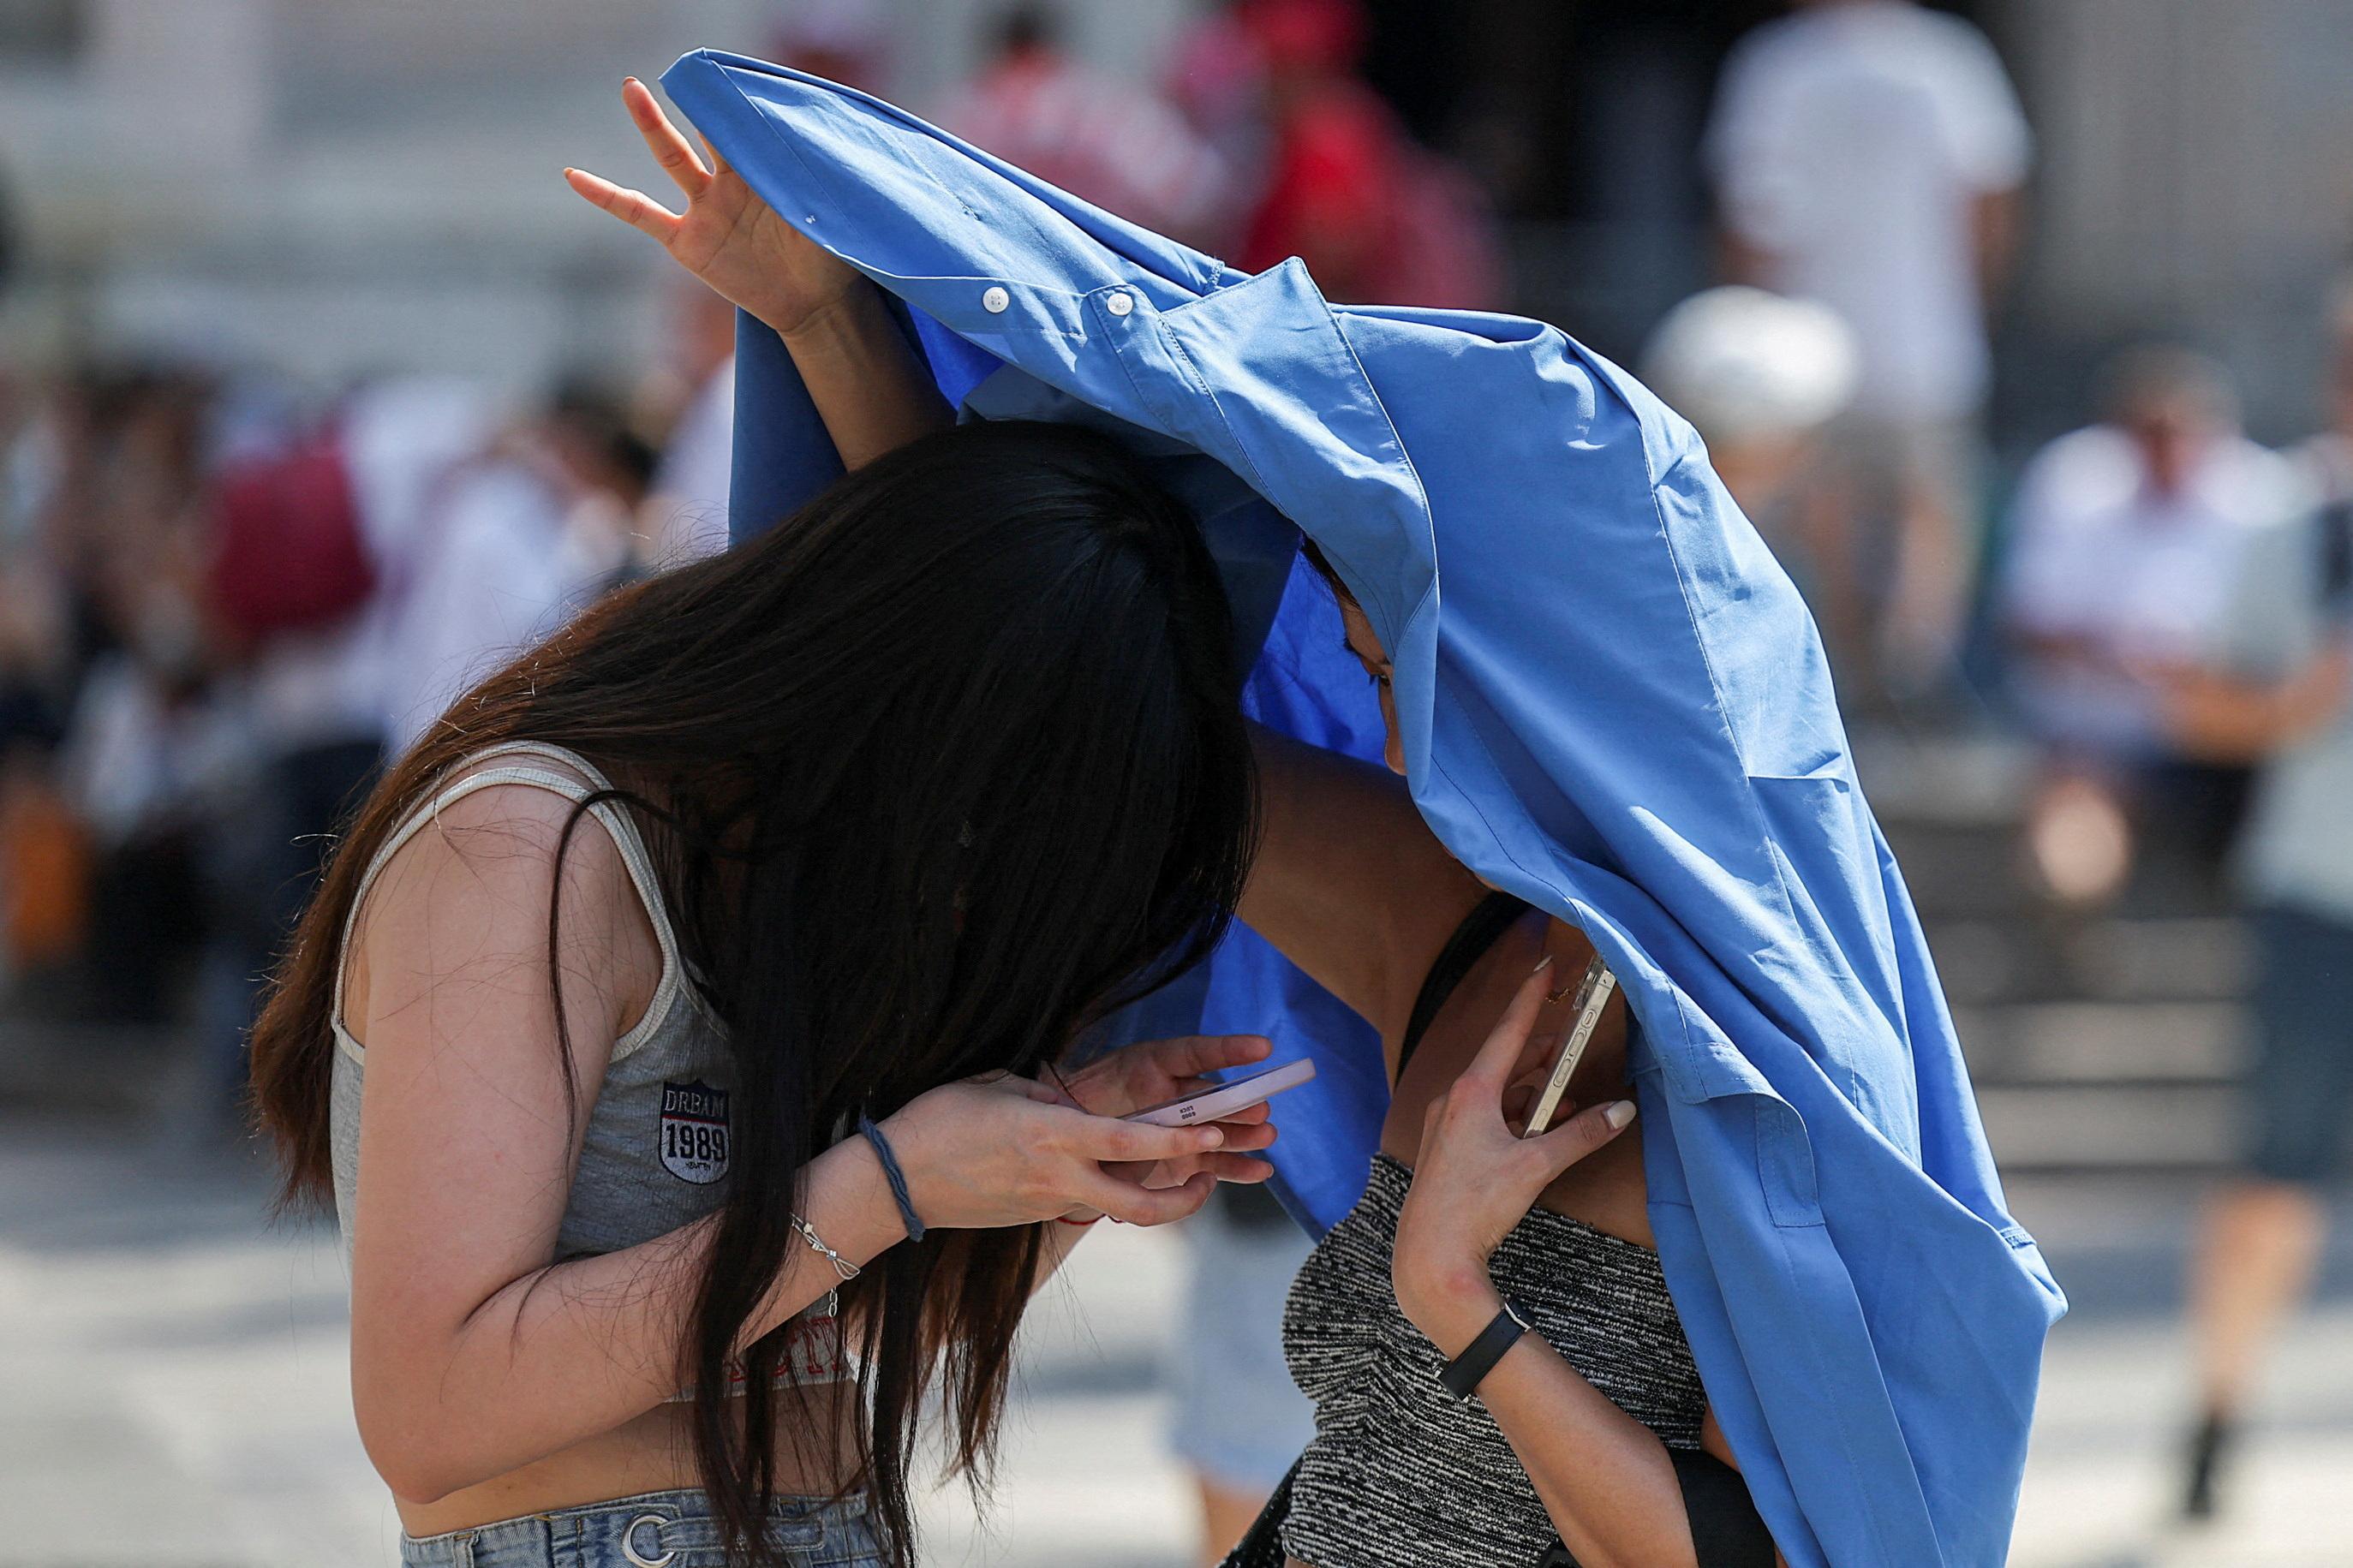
994, 300
1121, 303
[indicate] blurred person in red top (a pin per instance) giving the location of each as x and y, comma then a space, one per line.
848, 41
1377, 219
1115, 143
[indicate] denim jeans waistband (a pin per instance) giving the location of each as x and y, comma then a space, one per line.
653, 1530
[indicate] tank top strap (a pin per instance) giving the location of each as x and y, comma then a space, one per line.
536, 766
1480, 929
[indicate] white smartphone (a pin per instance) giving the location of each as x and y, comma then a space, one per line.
1593, 994
1217, 1103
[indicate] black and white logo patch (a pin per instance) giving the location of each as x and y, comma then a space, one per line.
695, 1131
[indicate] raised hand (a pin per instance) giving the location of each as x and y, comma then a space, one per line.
1474, 1177
727, 236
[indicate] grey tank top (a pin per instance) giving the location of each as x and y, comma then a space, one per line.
657, 1141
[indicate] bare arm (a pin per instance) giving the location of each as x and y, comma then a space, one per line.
1995, 219
869, 384
474, 1352
1606, 1481
1350, 884
2221, 719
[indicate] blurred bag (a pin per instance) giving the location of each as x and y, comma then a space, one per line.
45, 871
288, 554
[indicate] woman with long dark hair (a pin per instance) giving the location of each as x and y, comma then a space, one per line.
1594, 1442
675, 1030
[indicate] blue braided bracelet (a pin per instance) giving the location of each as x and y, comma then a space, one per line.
897, 1178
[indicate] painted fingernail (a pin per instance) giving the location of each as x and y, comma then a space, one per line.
1543, 964
1619, 1112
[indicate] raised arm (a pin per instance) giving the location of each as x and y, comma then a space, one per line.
2219, 718
869, 384
1615, 1494
1349, 883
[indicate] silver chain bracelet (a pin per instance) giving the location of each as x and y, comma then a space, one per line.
843, 1268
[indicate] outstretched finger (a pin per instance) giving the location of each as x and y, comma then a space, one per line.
635, 208
1578, 1136
1493, 1067
1196, 1053
1104, 1139
1240, 1134
1241, 1169
1132, 1203
671, 149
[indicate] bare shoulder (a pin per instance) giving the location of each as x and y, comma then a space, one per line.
1606, 1189
472, 894
500, 844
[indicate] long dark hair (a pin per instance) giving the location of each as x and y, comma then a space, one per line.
936, 773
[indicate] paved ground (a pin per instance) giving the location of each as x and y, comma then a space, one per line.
172, 1378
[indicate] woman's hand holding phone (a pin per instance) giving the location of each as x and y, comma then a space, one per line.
1152, 1072
1002, 1151
1475, 1178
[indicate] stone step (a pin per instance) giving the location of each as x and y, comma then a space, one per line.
103, 1069
2079, 1043
1962, 782
1985, 963
2111, 1126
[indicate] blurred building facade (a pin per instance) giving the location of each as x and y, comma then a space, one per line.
345, 187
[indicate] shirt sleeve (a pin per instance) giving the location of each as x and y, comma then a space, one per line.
1745, 149
2274, 618
1984, 129
2040, 576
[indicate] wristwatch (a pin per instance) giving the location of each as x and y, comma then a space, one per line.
1463, 1374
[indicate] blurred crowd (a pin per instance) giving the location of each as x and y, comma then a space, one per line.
224, 599
221, 601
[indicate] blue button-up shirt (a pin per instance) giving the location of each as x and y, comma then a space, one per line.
1613, 704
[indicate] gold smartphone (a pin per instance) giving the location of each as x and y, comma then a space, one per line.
1593, 993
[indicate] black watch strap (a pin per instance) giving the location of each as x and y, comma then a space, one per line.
1463, 1374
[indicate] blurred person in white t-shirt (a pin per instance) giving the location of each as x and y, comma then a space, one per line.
2126, 539
2277, 699
686, 514
525, 535
1868, 154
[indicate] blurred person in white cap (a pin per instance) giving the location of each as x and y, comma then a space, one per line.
1868, 153
1758, 376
